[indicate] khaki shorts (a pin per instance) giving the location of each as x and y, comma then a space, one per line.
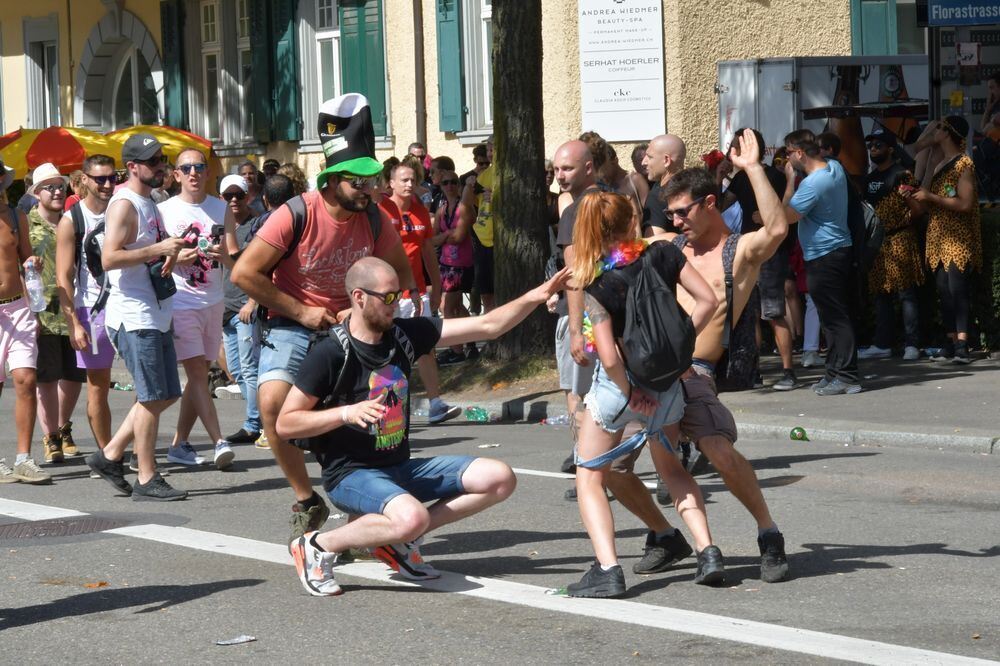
704, 414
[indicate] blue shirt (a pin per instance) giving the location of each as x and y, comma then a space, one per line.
821, 200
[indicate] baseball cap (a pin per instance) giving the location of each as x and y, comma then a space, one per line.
883, 135
230, 180
348, 137
139, 147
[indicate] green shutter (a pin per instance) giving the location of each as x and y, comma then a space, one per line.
174, 84
873, 27
260, 34
286, 88
451, 83
362, 56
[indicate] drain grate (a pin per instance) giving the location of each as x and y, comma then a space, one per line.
59, 527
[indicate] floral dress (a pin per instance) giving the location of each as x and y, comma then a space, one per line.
953, 238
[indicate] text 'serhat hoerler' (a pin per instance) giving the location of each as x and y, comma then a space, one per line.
348, 137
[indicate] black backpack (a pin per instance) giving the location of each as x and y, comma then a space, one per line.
345, 379
658, 340
88, 253
867, 230
736, 369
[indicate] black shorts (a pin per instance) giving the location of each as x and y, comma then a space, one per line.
57, 360
771, 282
483, 256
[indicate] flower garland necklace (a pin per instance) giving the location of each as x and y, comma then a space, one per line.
620, 254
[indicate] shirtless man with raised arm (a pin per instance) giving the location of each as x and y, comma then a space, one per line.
692, 203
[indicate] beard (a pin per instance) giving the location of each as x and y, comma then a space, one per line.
376, 322
154, 181
886, 156
351, 204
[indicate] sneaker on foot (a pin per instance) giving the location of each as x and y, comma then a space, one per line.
911, 354
228, 391
786, 383
28, 471
811, 359
133, 464
223, 454
661, 554
449, 357
773, 563
441, 412
6, 473
111, 471
315, 567
406, 560
570, 494
838, 387
944, 354
262, 442
711, 570
156, 490
821, 384
52, 444
598, 583
662, 495
568, 466
308, 520
242, 436
961, 356
874, 352
184, 454
68, 445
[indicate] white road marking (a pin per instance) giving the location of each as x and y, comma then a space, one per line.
559, 475
761, 634
28, 511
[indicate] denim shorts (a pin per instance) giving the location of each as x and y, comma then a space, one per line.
150, 359
427, 479
609, 406
281, 353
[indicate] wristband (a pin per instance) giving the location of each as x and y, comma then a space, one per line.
343, 414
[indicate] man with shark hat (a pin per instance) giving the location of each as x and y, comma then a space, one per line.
296, 267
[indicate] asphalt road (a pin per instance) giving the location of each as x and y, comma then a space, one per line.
894, 555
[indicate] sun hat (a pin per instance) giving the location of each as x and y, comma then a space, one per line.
42, 173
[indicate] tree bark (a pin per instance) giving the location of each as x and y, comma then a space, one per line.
521, 243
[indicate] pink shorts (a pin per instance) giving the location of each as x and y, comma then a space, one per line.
18, 336
198, 332
105, 356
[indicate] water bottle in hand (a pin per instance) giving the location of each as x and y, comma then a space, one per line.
33, 283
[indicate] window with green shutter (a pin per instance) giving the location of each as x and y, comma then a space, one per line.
362, 56
174, 82
287, 118
451, 80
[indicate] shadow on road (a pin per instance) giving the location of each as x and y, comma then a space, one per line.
833, 558
164, 596
491, 540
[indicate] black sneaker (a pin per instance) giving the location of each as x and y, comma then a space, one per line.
241, 436
598, 583
568, 466
448, 357
961, 356
660, 555
787, 383
711, 571
945, 354
773, 563
112, 471
663, 497
570, 495
156, 490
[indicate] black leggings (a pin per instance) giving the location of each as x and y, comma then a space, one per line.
953, 292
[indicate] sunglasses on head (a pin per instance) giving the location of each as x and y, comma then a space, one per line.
152, 162
199, 168
388, 297
103, 181
53, 188
239, 195
683, 211
359, 182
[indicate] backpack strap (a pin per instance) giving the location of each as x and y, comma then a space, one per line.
403, 340
297, 207
375, 222
679, 241
728, 258
80, 229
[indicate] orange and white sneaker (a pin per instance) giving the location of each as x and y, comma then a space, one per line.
406, 560
315, 567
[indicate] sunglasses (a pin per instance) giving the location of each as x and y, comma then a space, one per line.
198, 168
360, 182
683, 211
152, 162
103, 181
388, 297
239, 195
55, 188
450, 182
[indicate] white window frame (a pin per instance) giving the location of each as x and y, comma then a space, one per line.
244, 50
130, 58
477, 19
41, 44
211, 48
331, 34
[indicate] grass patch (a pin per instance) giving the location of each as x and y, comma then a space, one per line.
487, 374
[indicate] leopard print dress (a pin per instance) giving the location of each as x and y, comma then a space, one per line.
898, 265
954, 238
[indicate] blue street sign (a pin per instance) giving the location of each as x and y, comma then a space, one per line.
962, 12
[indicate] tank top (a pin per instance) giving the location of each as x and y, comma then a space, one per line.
132, 303
87, 288
459, 255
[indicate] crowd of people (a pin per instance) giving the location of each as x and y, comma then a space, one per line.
319, 301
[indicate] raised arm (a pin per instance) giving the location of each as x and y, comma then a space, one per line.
760, 245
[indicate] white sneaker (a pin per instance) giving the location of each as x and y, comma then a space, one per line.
315, 567
911, 354
228, 391
223, 454
184, 454
6, 473
874, 352
812, 359
405, 559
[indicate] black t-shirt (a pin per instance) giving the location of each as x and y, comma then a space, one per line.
567, 220
610, 291
652, 210
380, 369
743, 191
234, 297
879, 184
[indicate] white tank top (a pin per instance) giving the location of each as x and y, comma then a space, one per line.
132, 302
87, 288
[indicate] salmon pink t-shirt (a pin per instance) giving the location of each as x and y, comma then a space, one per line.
414, 228
314, 274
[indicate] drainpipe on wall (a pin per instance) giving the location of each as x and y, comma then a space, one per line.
418, 71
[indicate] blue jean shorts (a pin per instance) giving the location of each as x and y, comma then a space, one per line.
150, 358
281, 353
427, 479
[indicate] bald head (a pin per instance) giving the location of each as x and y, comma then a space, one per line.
665, 157
368, 273
574, 167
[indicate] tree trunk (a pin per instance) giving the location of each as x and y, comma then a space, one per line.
521, 242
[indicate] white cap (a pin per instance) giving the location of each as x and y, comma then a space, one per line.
230, 180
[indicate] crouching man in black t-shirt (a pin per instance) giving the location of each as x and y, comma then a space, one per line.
358, 421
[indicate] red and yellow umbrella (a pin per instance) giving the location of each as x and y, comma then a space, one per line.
65, 147
174, 141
